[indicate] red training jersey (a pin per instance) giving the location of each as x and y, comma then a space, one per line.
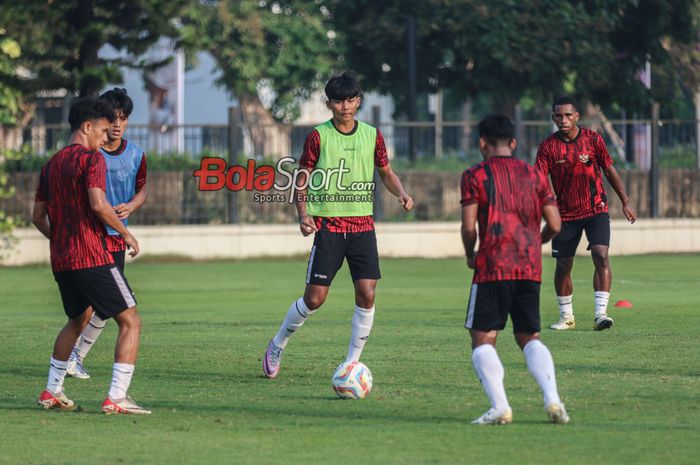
341, 224
77, 235
510, 195
116, 243
574, 167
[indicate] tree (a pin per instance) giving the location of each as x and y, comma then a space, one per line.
515, 48
11, 112
281, 51
61, 41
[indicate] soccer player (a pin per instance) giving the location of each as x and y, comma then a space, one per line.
573, 157
126, 192
508, 198
71, 209
341, 219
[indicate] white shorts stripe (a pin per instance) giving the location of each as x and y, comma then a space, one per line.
470, 309
123, 288
311, 262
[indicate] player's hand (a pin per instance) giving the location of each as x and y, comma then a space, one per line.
471, 261
629, 212
406, 201
307, 225
123, 210
132, 244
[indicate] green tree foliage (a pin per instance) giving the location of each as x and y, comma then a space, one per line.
280, 50
61, 40
510, 49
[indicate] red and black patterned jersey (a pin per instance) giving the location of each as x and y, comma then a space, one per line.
77, 235
510, 195
574, 167
116, 243
341, 224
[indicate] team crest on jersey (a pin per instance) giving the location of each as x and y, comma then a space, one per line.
584, 157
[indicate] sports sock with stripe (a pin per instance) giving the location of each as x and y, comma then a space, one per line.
296, 316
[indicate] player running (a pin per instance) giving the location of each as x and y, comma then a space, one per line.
508, 198
573, 157
126, 192
344, 228
71, 210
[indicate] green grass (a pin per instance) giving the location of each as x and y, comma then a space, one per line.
632, 392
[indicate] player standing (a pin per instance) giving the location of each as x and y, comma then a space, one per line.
508, 198
126, 192
574, 157
344, 229
71, 210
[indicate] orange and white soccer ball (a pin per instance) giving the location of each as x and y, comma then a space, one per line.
352, 380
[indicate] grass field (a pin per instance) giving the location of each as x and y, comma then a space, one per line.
632, 392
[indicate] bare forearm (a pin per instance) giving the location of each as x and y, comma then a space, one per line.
393, 184
43, 225
139, 199
300, 202
547, 234
469, 241
106, 214
616, 183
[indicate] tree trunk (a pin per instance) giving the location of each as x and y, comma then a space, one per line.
266, 137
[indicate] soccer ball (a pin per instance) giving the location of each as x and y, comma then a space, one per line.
352, 380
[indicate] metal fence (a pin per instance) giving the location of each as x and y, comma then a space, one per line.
629, 141
657, 159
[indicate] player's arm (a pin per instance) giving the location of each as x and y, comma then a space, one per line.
125, 209
552, 222
469, 214
307, 225
307, 163
390, 180
393, 185
106, 214
616, 183
40, 218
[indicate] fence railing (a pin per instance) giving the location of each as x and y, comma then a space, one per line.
657, 158
629, 141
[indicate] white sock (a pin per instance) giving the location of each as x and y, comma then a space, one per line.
541, 366
566, 306
490, 371
601, 302
121, 379
362, 321
57, 373
296, 316
89, 335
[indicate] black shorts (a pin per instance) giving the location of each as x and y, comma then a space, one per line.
103, 287
119, 259
490, 304
331, 248
597, 229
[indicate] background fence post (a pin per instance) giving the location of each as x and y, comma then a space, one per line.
378, 187
654, 165
519, 132
235, 144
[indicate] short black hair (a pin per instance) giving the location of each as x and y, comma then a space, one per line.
342, 87
88, 109
564, 100
120, 100
496, 128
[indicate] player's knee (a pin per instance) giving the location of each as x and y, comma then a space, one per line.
600, 256
564, 266
365, 298
314, 301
